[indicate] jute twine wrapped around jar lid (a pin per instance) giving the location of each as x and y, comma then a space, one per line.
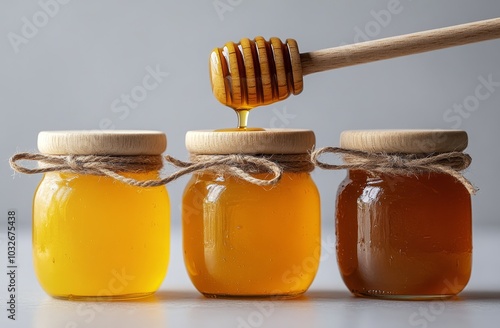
108, 153
272, 150
402, 152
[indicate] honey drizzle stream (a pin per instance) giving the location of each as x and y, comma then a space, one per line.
242, 122
242, 118
243, 109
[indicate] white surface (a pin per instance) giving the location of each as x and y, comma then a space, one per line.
326, 304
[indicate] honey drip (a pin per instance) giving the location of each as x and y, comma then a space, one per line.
242, 123
242, 118
254, 73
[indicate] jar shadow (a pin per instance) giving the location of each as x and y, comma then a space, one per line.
485, 295
334, 295
178, 295
184, 295
145, 312
314, 295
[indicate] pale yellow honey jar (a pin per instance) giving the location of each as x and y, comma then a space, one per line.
95, 237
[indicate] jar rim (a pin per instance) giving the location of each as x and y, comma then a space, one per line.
409, 141
268, 141
98, 142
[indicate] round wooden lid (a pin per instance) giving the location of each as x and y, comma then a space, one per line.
96, 142
270, 141
405, 141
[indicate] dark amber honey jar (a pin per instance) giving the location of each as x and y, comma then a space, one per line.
404, 236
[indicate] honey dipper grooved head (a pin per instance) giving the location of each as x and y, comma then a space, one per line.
255, 72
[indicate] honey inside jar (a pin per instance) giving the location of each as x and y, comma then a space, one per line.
86, 243
96, 238
246, 240
404, 235
247, 251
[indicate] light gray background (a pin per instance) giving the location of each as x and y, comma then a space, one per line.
80, 61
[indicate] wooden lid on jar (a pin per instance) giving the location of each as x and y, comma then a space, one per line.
96, 142
269, 141
404, 141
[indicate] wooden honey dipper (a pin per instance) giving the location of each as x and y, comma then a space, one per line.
259, 72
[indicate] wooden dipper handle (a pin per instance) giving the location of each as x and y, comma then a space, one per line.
259, 72
402, 45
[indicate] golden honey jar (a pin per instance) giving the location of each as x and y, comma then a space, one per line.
241, 239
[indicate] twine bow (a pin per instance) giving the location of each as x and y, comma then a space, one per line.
450, 163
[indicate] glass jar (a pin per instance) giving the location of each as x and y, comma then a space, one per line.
404, 236
93, 236
245, 240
